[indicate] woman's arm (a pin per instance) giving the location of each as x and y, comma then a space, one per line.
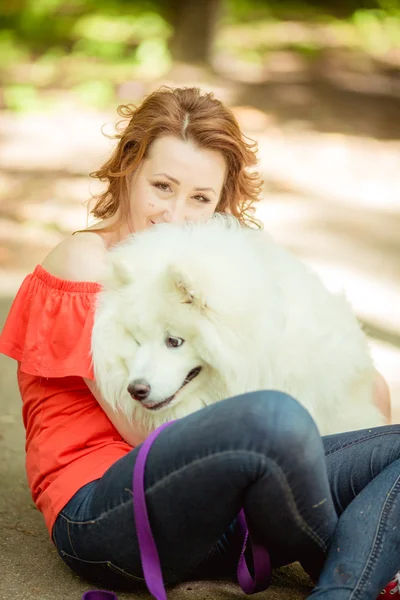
382, 396
83, 257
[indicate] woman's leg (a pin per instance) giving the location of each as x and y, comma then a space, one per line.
364, 474
259, 450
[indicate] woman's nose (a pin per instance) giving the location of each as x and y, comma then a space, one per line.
175, 214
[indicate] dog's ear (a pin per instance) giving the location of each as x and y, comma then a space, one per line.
119, 272
189, 292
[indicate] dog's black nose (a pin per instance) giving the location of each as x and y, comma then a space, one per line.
139, 389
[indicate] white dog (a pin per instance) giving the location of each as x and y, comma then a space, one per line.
194, 314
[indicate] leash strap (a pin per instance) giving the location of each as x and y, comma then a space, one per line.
99, 595
148, 549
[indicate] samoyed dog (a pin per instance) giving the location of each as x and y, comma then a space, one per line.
190, 315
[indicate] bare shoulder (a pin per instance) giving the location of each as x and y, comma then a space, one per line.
81, 257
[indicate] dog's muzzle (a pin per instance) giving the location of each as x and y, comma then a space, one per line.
140, 390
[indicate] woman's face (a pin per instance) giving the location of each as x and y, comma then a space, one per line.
176, 182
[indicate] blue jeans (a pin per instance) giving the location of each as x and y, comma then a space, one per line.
331, 503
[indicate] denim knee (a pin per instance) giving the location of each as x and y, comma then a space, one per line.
278, 420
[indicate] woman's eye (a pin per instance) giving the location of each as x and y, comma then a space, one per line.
174, 342
164, 187
203, 199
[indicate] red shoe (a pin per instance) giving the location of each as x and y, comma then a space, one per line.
392, 590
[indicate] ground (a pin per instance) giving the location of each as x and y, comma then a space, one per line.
331, 169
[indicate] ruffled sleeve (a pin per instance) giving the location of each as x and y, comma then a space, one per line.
49, 327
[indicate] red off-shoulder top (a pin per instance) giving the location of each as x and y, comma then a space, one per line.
69, 439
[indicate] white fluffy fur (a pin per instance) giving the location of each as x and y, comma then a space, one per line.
252, 315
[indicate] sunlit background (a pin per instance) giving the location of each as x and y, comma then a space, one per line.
317, 84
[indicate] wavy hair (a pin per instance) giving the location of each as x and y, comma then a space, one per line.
189, 115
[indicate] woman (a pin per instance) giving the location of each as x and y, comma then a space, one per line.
182, 157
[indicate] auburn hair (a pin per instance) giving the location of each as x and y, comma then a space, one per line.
189, 115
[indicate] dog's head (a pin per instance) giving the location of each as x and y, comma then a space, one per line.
161, 337
170, 323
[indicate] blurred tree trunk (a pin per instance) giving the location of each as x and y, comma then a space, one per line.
194, 24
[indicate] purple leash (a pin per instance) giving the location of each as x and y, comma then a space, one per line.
99, 595
148, 550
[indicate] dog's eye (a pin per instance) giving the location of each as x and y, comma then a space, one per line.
174, 342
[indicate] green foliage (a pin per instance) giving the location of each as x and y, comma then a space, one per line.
113, 29
243, 11
377, 31
307, 50
11, 51
371, 27
97, 93
122, 28
152, 57
93, 46
115, 37
43, 24
21, 97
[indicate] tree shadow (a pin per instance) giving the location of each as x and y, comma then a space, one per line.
327, 106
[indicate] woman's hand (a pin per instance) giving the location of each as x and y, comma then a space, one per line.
382, 396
